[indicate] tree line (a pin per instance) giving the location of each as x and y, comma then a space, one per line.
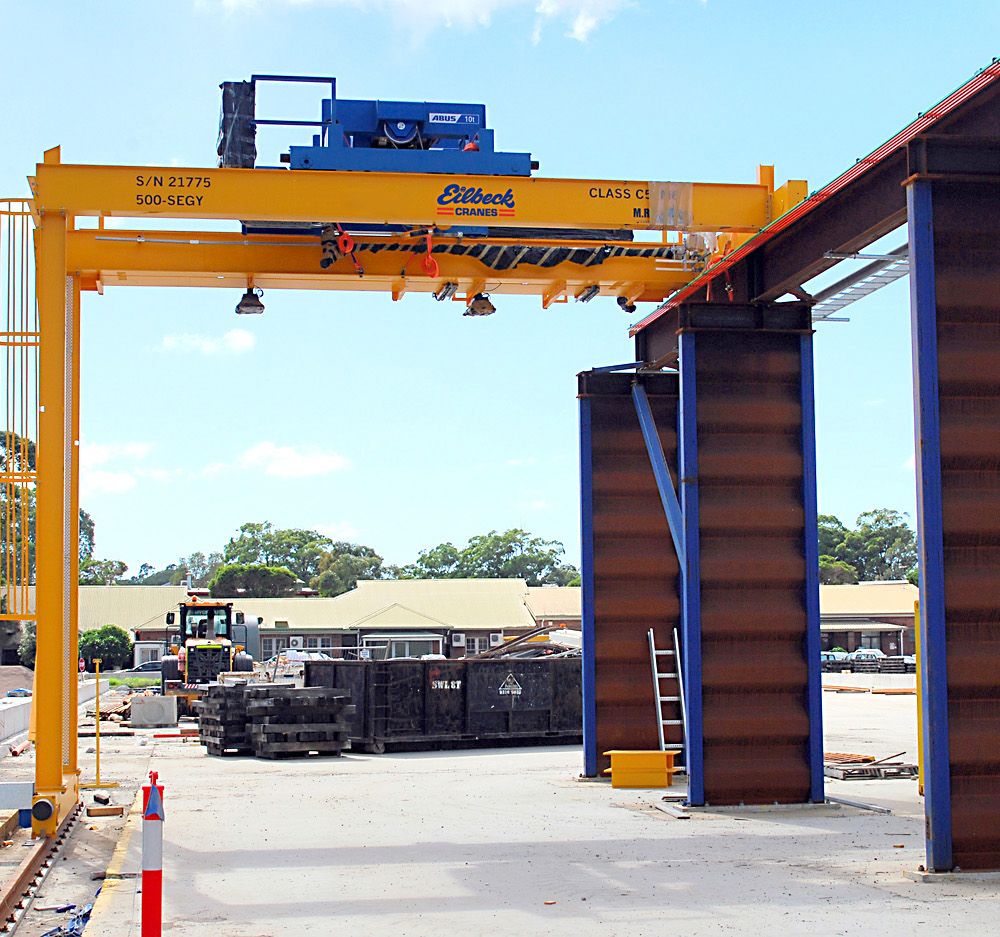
882, 545
262, 560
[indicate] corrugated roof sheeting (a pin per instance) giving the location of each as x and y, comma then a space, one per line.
549, 602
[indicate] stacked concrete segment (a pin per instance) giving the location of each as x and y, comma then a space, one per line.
288, 721
222, 720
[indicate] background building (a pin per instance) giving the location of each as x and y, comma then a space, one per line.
868, 614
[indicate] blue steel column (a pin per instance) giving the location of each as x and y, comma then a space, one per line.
934, 674
811, 547
687, 458
587, 580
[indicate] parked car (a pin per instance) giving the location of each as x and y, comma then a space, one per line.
834, 661
150, 667
18, 691
866, 653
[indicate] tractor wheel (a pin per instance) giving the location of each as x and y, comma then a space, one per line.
242, 663
170, 672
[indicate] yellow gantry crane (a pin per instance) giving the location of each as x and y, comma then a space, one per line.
417, 245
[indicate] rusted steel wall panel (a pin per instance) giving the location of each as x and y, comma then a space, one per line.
754, 619
967, 274
634, 567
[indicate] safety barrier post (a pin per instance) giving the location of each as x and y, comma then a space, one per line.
152, 857
98, 783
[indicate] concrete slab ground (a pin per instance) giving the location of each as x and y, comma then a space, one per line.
511, 842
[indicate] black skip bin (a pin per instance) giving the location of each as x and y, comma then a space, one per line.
412, 705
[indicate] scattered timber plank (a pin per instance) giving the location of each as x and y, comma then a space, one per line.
105, 811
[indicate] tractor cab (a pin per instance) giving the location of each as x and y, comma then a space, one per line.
206, 621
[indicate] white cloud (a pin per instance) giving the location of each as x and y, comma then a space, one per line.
110, 468
910, 465
99, 482
233, 342
339, 530
538, 504
289, 462
521, 463
581, 17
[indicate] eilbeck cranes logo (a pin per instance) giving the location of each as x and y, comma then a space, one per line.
467, 201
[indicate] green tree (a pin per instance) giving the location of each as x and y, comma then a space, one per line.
513, 554
253, 580
17, 512
26, 645
198, 569
340, 571
87, 537
834, 572
440, 562
832, 534
913, 576
102, 572
159, 577
110, 643
264, 544
882, 545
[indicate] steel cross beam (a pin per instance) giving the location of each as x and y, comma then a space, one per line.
107, 258
401, 198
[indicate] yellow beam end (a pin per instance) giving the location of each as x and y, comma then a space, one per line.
552, 294
788, 196
765, 176
53, 156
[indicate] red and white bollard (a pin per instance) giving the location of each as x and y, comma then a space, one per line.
152, 857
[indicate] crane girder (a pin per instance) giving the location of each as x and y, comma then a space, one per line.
417, 199
642, 272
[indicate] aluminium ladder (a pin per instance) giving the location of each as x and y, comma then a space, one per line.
659, 698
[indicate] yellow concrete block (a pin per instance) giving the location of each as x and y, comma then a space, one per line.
637, 768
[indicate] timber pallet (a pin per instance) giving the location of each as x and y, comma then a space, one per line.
225, 751
881, 772
299, 749
314, 735
326, 725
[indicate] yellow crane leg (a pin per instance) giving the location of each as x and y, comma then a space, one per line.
920, 699
57, 521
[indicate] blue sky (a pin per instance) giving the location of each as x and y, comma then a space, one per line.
403, 424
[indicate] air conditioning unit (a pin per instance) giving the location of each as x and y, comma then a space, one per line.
496, 638
295, 642
457, 639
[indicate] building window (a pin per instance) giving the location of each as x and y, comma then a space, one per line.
312, 642
476, 645
270, 646
380, 648
414, 648
871, 639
